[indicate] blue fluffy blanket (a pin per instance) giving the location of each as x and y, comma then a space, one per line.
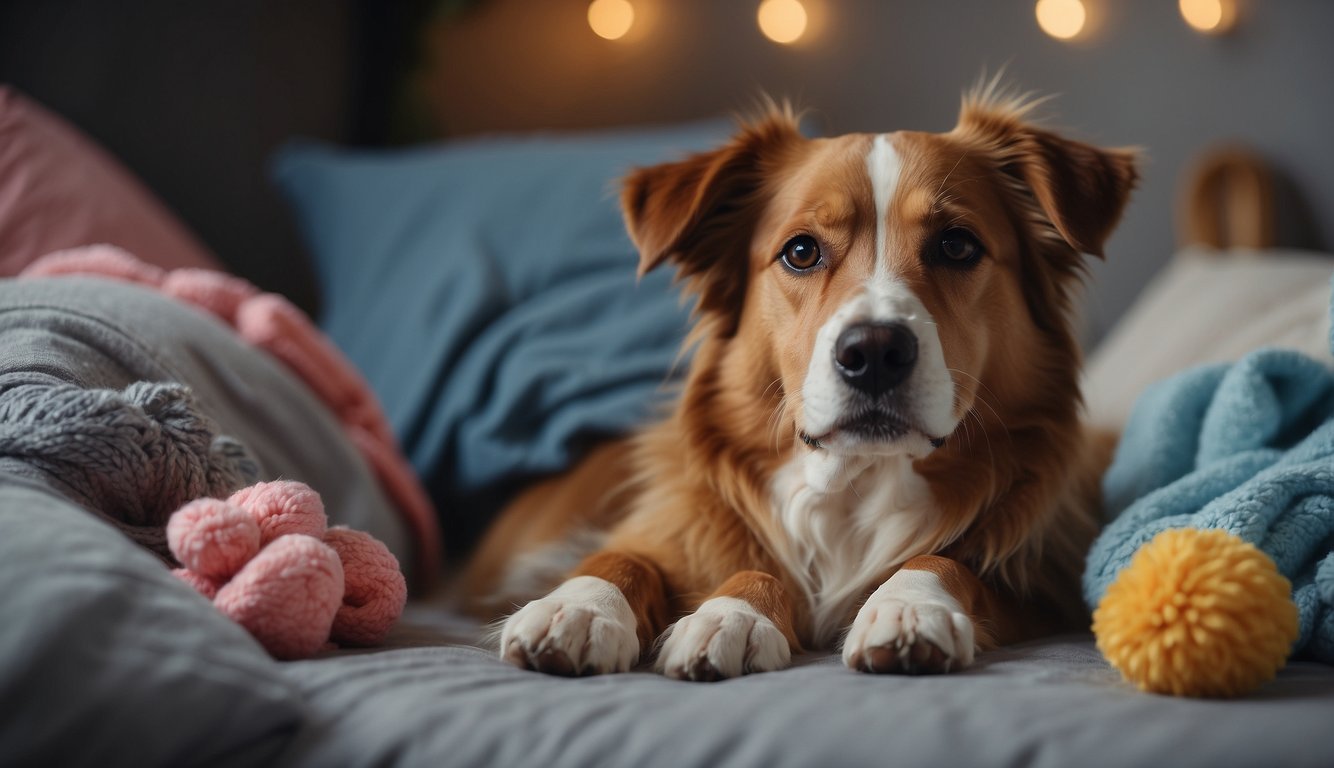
1246, 447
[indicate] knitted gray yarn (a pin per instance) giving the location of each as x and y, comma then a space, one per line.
134, 456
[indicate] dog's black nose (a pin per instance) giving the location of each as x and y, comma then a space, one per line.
875, 357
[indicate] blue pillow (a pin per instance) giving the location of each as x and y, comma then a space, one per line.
487, 291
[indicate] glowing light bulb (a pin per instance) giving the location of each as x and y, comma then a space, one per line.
611, 18
1062, 19
782, 21
1212, 17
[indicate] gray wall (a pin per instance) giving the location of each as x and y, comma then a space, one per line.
1143, 78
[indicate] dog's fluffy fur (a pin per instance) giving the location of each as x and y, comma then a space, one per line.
778, 506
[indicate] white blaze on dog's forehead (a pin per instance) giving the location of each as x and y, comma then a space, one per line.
883, 165
927, 397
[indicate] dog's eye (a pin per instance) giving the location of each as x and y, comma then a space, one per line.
801, 254
959, 246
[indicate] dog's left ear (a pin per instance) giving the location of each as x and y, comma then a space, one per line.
1082, 189
698, 213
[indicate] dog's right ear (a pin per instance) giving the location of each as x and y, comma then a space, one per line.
699, 213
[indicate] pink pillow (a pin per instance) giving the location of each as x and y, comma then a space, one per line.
58, 190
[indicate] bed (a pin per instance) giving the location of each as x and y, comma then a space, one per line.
106, 659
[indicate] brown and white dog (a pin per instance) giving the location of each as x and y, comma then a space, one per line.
880, 426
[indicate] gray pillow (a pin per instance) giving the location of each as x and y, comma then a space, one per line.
97, 333
106, 659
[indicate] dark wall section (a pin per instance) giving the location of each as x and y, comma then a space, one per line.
1141, 77
193, 96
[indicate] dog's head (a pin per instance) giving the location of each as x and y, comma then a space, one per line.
883, 286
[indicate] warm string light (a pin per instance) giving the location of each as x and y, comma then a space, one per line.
611, 18
1212, 17
782, 21
785, 21
1062, 19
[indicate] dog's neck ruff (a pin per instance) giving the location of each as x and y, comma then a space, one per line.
846, 521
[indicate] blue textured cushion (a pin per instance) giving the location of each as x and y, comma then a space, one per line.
487, 291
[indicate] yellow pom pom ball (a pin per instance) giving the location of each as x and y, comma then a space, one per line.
1197, 613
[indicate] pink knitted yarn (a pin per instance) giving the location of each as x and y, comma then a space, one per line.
213, 538
283, 507
374, 588
287, 596
201, 584
217, 292
105, 260
288, 588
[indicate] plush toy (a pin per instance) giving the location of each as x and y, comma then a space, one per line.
1197, 613
267, 560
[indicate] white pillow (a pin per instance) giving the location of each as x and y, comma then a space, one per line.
1207, 307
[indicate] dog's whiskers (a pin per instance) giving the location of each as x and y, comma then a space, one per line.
972, 413
776, 421
982, 398
991, 454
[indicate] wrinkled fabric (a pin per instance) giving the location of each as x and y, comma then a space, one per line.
1247, 448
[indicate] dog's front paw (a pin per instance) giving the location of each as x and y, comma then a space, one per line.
913, 626
584, 627
724, 638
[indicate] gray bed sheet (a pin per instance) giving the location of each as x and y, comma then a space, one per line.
429, 701
106, 660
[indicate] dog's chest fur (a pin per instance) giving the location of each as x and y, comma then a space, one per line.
846, 522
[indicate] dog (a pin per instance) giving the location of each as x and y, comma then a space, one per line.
878, 439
